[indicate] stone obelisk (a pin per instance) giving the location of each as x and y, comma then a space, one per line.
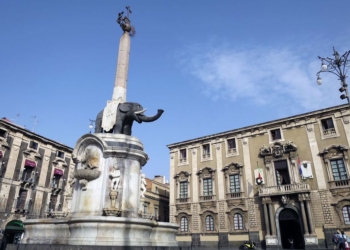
121, 78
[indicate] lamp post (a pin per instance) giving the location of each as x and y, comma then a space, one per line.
91, 126
337, 66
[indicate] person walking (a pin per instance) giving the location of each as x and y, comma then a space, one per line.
335, 240
291, 242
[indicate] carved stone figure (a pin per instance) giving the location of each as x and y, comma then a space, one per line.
127, 113
143, 185
115, 175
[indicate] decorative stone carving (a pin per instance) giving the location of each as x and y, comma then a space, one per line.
183, 176
143, 185
90, 160
284, 199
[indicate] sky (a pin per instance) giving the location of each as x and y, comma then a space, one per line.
211, 65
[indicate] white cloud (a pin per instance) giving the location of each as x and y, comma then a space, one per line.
284, 77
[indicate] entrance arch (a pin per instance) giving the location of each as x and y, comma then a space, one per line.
13, 233
289, 225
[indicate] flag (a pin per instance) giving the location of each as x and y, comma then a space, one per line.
299, 165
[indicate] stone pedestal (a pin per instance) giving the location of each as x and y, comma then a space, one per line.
105, 204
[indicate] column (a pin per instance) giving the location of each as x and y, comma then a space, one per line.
121, 78
272, 217
266, 217
309, 215
248, 167
302, 208
220, 176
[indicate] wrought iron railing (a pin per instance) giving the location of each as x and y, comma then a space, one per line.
329, 132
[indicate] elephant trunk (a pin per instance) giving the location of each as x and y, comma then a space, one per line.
144, 118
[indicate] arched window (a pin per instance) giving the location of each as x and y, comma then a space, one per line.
209, 223
346, 215
238, 221
184, 224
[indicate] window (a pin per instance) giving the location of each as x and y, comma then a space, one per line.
328, 127
275, 134
282, 173
338, 170
235, 186
156, 214
33, 145
209, 223
231, 146
21, 200
238, 221
157, 191
207, 187
60, 154
184, 224
3, 133
53, 202
183, 189
28, 174
145, 209
346, 215
206, 151
183, 155
55, 181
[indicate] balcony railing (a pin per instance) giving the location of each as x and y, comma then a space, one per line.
339, 183
284, 189
329, 132
232, 151
234, 195
183, 200
206, 155
59, 185
183, 160
207, 197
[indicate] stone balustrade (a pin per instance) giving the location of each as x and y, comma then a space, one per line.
284, 189
207, 197
183, 200
234, 195
339, 183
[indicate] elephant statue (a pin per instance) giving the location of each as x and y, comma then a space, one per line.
127, 113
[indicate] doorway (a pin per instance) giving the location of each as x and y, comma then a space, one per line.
290, 228
13, 233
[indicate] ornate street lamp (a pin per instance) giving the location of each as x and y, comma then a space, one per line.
338, 66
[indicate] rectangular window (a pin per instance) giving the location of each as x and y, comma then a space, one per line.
235, 186
183, 155
328, 126
183, 189
338, 170
145, 209
60, 154
53, 202
282, 173
3, 133
207, 187
275, 134
21, 201
33, 145
231, 146
156, 213
157, 191
206, 151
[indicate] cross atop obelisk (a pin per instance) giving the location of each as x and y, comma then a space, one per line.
121, 78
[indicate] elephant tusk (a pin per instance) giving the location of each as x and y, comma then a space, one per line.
140, 112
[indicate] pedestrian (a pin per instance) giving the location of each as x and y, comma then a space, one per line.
335, 240
345, 241
291, 242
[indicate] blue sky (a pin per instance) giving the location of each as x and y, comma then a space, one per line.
211, 65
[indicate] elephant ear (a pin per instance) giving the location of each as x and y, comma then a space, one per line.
123, 107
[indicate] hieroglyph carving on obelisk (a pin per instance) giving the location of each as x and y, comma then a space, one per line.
121, 78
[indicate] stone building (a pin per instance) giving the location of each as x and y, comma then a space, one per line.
155, 203
269, 182
35, 178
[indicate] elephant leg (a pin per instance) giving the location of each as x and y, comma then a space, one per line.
118, 127
127, 129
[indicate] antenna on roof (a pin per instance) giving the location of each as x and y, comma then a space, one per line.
35, 122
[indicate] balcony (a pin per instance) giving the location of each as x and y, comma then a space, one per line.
183, 160
339, 183
57, 185
284, 189
329, 132
183, 200
207, 197
234, 195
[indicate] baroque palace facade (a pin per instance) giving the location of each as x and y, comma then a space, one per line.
34, 179
268, 182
